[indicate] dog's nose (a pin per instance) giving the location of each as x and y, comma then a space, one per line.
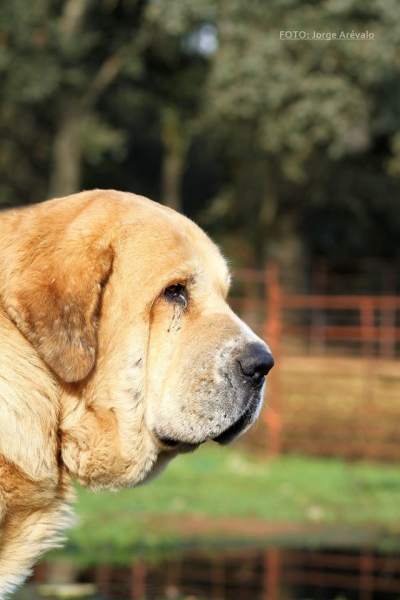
256, 363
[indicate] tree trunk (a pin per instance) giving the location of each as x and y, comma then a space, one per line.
172, 172
282, 241
67, 150
65, 178
288, 250
176, 135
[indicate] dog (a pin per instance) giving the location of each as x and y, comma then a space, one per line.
118, 352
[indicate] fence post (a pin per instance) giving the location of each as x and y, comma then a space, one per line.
39, 573
272, 335
367, 325
272, 574
318, 315
217, 579
103, 579
138, 588
173, 578
387, 331
366, 576
388, 313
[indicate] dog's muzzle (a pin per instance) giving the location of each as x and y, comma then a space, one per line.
252, 367
247, 376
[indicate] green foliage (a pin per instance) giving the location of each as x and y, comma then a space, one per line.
287, 125
98, 138
296, 106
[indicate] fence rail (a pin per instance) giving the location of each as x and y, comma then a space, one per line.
271, 574
349, 338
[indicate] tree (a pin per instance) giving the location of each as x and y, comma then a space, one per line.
29, 74
137, 94
283, 111
62, 62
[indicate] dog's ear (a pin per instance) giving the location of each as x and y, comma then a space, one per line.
55, 301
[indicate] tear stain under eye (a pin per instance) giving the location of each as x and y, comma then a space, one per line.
176, 322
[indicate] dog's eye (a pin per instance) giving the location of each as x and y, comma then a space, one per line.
177, 293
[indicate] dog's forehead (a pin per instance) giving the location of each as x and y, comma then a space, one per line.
174, 244
193, 248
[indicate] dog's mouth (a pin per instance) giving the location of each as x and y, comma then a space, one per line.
236, 429
223, 438
177, 445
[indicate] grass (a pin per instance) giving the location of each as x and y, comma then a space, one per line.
206, 495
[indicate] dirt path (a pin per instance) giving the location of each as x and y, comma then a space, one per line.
252, 530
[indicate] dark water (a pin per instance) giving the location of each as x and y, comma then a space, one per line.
274, 573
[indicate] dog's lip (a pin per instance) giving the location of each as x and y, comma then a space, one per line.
166, 441
173, 445
235, 429
227, 436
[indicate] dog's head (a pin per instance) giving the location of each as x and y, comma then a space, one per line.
125, 301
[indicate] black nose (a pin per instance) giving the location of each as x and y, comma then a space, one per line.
256, 363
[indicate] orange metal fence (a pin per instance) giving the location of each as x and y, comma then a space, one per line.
336, 338
269, 574
372, 320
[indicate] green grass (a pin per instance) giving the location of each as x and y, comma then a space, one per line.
217, 483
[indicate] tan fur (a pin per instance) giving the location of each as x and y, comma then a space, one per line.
97, 366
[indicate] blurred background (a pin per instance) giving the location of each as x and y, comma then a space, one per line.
276, 126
